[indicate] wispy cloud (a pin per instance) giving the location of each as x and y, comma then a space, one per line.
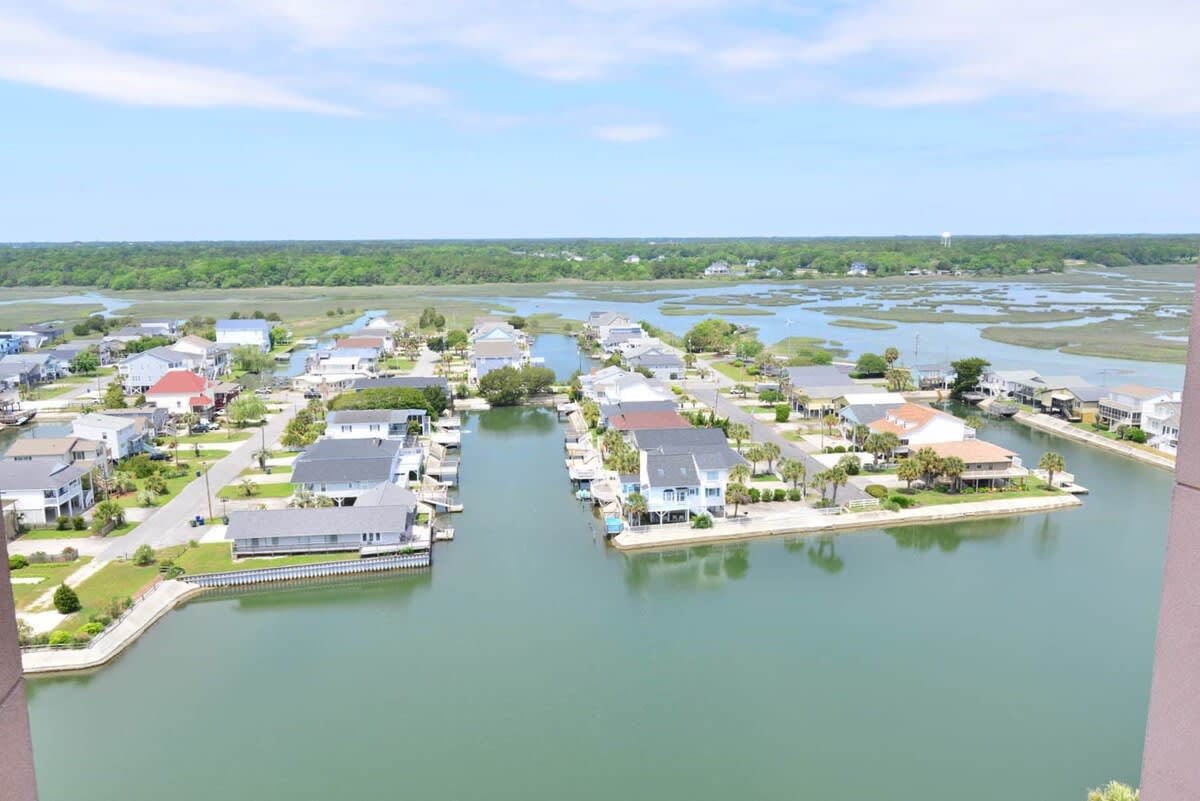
629, 133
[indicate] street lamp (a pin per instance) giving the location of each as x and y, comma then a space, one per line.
207, 488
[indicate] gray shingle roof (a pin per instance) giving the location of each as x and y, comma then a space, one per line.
671, 470
708, 445
817, 375
347, 460
381, 416
38, 474
318, 521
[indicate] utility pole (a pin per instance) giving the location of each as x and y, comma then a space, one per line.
207, 488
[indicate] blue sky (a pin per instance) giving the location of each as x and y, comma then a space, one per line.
316, 119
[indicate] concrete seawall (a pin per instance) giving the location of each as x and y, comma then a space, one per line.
1064, 429
810, 522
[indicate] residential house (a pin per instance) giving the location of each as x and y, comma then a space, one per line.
363, 339
488, 354
405, 381
17, 373
143, 370
862, 409
682, 471
67, 450
397, 424
1161, 425
152, 419
382, 326
819, 390
382, 521
859, 269
662, 364
43, 490
633, 258
347, 363
610, 410
120, 435
51, 332
9, 343
717, 268
204, 357
27, 339
344, 469
252, 333
1069, 397
1128, 404
181, 391
1017, 384
46, 366
613, 385
986, 464
918, 426
160, 327
634, 421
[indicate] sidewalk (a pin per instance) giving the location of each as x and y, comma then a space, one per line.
802, 520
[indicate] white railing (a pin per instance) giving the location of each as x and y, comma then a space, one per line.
861, 504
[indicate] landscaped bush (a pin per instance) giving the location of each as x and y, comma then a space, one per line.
140, 465
102, 619
702, 521
143, 556
851, 464
60, 638
1135, 435
91, 629
890, 505
903, 501
755, 495
876, 491
78, 523
794, 495
63, 523
66, 601
839, 449
782, 412
780, 494
16, 562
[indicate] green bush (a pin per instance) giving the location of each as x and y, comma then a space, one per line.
60, 638
851, 464
38, 558
143, 556
702, 521
780, 494
876, 491
891, 506
91, 629
63, 523
755, 495
101, 619
903, 501
1135, 435
66, 601
782, 412
16, 562
839, 449
794, 495
78, 523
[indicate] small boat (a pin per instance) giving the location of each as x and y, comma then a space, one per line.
1005, 408
973, 397
17, 417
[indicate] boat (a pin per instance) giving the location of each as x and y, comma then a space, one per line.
13, 415
973, 397
1005, 408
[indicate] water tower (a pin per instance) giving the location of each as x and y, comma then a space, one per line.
945, 239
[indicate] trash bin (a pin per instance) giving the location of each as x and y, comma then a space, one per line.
192, 522
268, 470
225, 520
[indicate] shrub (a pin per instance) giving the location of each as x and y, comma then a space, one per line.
839, 449
78, 523
702, 521
876, 491
174, 571
782, 412
66, 601
63, 523
755, 495
146, 498
780, 494
91, 629
851, 464
16, 562
794, 495
69, 554
143, 556
60, 637
891, 506
903, 501
101, 618
829, 449
1135, 435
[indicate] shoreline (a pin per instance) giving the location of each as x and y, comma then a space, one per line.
1065, 430
810, 524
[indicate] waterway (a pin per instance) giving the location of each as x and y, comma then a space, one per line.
532, 662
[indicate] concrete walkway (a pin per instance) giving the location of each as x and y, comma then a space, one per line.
799, 519
153, 606
1060, 427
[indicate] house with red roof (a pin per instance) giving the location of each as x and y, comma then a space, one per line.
182, 391
918, 425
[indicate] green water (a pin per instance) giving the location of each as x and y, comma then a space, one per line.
992, 660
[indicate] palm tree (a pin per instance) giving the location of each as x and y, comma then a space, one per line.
1113, 791
187, 420
821, 482
897, 378
837, 477
953, 468
755, 454
861, 433
156, 483
908, 471
1052, 463
890, 442
689, 360
830, 421
175, 449
737, 494
322, 502
248, 487
770, 452
929, 464
739, 474
738, 432
261, 457
890, 355
636, 506
793, 470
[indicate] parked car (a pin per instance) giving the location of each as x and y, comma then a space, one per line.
159, 456
203, 427
312, 394
263, 392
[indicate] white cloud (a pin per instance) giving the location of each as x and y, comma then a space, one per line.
629, 133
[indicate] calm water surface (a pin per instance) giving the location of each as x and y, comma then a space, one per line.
532, 662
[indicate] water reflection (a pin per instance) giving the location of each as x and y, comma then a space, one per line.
821, 553
701, 567
517, 421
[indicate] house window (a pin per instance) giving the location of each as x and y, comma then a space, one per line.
345, 429
374, 427
713, 475
712, 492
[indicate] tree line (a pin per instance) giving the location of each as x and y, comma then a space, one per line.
230, 265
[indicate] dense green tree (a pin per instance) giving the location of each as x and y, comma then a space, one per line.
85, 363
967, 373
245, 409
250, 359
713, 335
870, 365
536, 379
114, 396
456, 340
66, 601
388, 398
502, 387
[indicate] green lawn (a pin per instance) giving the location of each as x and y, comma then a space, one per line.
216, 557
734, 371
52, 572
48, 391
234, 491
174, 485
54, 534
215, 436
187, 452
114, 580
1037, 489
398, 364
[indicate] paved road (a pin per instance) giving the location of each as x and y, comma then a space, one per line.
169, 524
708, 392
426, 363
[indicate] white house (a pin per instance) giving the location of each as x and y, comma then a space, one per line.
43, 490
859, 269
1009, 383
204, 357
1128, 404
181, 391
917, 426
160, 326
381, 522
255, 333
682, 472
119, 434
1161, 425
492, 354
344, 469
143, 370
397, 424
662, 364
620, 386
717, 268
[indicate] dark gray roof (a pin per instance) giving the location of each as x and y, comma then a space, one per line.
347, 460
671, 470
867, 413
708, 445
628, 407
387, 494
382, 416
317, 521
818, 375
409, 381
655, 358
38, 474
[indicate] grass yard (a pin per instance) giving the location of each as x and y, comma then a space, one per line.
397, 363
217, 557
55, 534
734, 371
1037, 489
52, 572
234, 491
114, 580
276, 469
174, 485
215, 436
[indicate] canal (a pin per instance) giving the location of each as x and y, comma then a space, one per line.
987, 660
